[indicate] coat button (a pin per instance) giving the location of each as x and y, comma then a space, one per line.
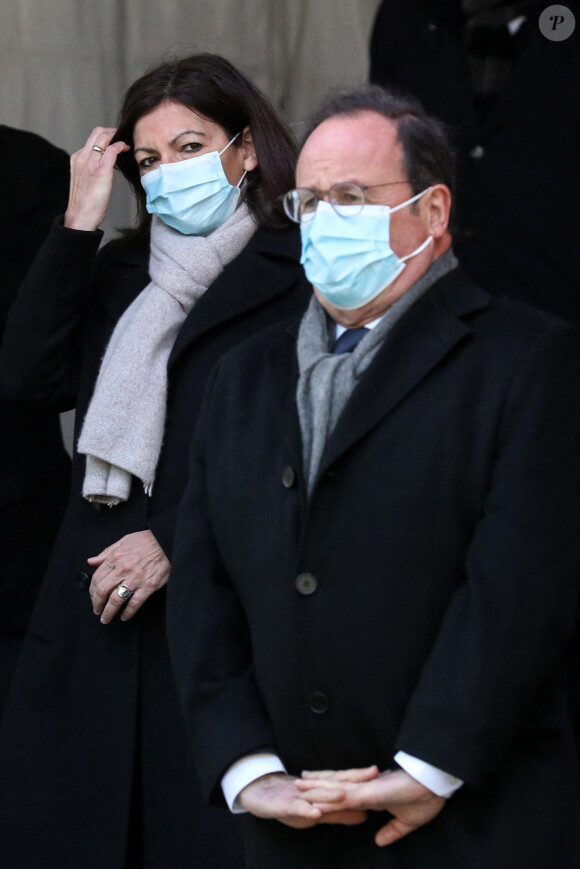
306, 583
288, 477
319, 702
96, 505
477, 152
83, 580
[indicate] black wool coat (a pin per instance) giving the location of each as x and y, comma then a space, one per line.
34, 467
93, 730
421, 599
518, 173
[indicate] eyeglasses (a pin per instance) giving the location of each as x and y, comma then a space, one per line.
347, 199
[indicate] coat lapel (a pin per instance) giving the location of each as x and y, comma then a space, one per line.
423, 337
263, 269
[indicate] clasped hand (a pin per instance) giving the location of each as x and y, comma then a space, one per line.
344, 797
137, 561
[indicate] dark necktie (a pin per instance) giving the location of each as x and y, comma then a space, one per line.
349, 339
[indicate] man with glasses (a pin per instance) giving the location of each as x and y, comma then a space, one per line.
375, 573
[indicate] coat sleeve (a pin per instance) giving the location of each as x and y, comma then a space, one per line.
209, 638
506, 628
35, 190
40, 353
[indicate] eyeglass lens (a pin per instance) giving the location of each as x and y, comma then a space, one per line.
346, 198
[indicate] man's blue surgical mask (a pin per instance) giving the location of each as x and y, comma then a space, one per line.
193, 196
350, 259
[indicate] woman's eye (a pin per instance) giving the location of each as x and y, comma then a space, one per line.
147, 163
192, 146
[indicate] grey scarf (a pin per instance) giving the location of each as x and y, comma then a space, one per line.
326, 381
123, 430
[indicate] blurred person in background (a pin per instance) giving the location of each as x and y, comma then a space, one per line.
509, 96
94, 767
34, 467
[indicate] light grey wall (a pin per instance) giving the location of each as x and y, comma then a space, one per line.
65, 64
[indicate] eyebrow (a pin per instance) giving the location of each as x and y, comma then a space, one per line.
173, 141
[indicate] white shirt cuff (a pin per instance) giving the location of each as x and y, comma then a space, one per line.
243, 772
441, 783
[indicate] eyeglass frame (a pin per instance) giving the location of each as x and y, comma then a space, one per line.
362, 187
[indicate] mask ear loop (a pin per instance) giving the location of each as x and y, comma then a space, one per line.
413, 199
429, 237
228, 145
419, 249
225, 149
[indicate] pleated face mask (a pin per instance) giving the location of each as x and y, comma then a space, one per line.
349, 259
193, 196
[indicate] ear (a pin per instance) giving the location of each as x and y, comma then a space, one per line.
437, 210
248, 150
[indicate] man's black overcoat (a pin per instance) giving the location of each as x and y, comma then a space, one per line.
87, 696
34, 467
421, 599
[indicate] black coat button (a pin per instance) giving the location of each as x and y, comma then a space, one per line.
83, 580
319, 702
306, 583
288, 477
97, 506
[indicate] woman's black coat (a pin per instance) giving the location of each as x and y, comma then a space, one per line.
93, 732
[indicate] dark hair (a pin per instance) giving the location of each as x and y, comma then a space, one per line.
211, 86
427, 155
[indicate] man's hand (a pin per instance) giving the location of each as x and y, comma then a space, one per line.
275, 796
396, 792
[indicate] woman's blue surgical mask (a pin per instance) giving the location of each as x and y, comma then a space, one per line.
350, 259
193, 196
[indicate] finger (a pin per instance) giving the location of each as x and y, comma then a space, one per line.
321, 773
107, 156
103, 572
307, 784
100, 137
357, 775
322, 794
101, 594
392, 832
98, 559
114, 603
135, 602
343, 775
348, 817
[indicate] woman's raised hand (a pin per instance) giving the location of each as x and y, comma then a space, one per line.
91, 179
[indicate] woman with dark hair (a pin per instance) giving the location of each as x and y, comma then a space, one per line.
94, 769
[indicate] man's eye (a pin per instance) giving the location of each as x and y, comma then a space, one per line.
309, 203
347, 198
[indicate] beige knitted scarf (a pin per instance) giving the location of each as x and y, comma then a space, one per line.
123, 429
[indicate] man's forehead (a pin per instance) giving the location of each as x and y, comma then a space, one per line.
366, 141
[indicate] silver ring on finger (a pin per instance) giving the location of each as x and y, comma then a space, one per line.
124, 591
98, 149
